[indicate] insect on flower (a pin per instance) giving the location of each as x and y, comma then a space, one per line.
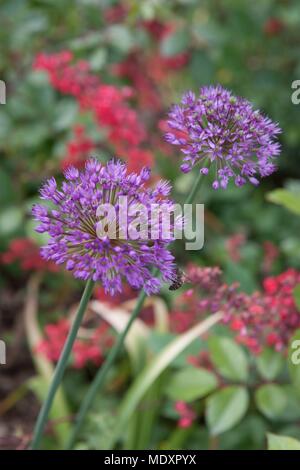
179, 278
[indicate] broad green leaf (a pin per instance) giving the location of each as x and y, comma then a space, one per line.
234, 271
288, 199
226, 408
292, 410
276, 442
158, 365
10, 220
228, 358
175, 43
190, 383
271, 400
120, 37
269, 363
64, 114
294, 360
158, 341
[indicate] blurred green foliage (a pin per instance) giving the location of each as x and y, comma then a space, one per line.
249, 47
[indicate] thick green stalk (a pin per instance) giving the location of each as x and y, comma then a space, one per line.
102, 373
61, 366
197, 184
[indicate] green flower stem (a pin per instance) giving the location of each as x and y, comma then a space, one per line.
197, 184
99, 379
61, 366
101, 375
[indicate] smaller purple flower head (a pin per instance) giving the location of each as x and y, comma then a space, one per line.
79, 235
224, 135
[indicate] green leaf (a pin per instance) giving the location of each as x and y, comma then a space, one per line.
276, 442
269, 363
288, 199
292, 411
10, 220
297, 296
175, 43
190, 383
64, 114
226, 408
294, 360
158, 341
120, 37
234, 271
155, 368
228, 358
271, 400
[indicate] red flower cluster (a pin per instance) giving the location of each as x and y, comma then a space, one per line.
186, 413
234, 245
27, 253
91, 350
108, 104
273, 26
115, 14
147, 72
78, 149
271, 253
267, 318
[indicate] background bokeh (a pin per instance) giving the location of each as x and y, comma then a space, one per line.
142, 55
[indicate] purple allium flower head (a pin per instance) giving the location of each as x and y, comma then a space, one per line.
72, 223
224, 134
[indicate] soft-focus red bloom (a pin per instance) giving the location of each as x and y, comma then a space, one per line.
273, 26
115, 14
27, 253
72, 79
157, 29
186, 413
136, 69
201, 360
146, 73
233, 246
271, 253
138, 158
85, 351
78, 149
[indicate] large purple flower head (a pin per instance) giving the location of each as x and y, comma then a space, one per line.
225, 135
79, 235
